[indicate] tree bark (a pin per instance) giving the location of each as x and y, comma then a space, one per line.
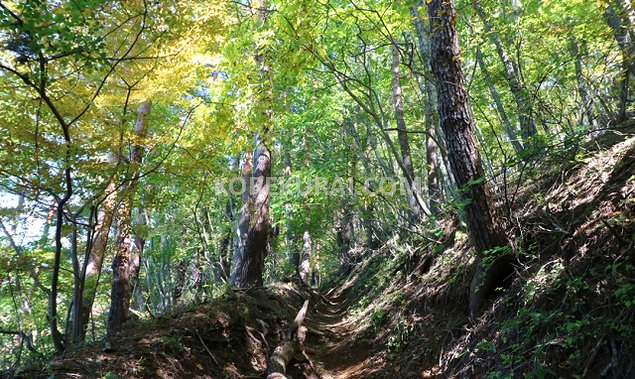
244, 219
305, 260
344, 233
254, 224
465, 160
124, 264
177, 293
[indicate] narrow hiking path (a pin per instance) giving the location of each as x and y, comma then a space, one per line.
330, 335
336, 342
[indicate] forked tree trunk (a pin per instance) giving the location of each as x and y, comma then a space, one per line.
465, 160
125, 265
92, 270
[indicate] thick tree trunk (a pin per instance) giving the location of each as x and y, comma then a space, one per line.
254, 226
125, 264
523, 102
507, 125
244, 219
465, 160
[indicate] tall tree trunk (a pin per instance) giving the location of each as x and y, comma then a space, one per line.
367, 209
402, 135
465, 160
248, 270
92, 269
51, 314
433, 152
244, 220
124, 264
518, 90
255, 224
507, 125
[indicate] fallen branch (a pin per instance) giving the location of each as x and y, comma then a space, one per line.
206, 348
290, 344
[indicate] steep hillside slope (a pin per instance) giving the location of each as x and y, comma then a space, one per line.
567, 312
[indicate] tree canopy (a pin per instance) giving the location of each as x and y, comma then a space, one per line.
131, 130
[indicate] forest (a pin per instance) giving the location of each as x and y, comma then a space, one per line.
317, 189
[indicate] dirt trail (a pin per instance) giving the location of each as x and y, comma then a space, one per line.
333, 343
